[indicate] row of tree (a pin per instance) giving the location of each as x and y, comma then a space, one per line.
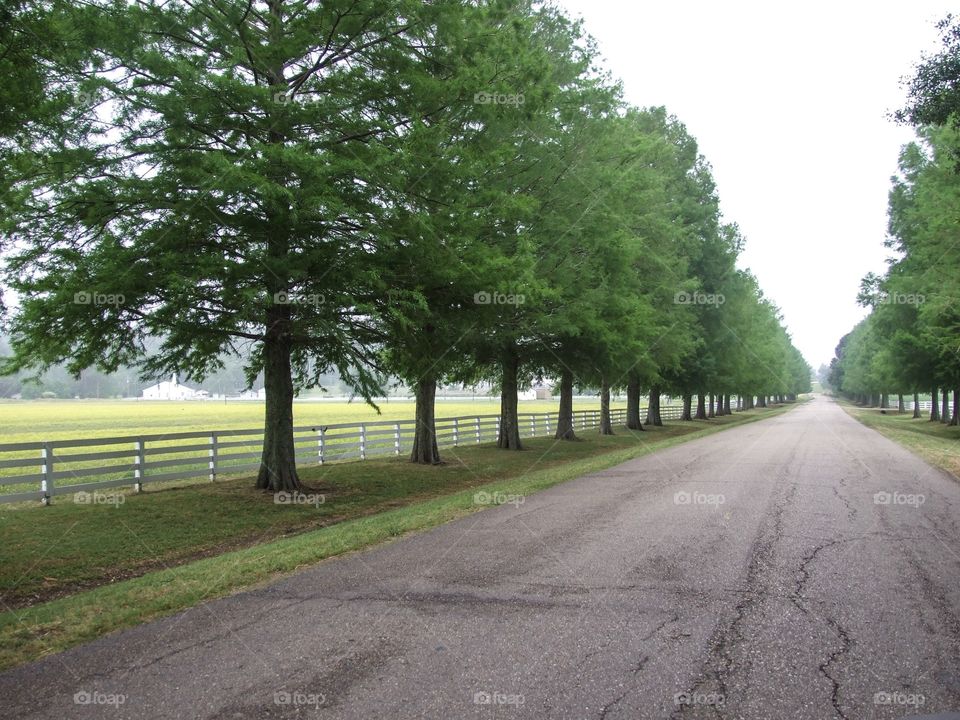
440, 192
910, 341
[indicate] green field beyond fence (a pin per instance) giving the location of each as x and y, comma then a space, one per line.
60, 419
59, 448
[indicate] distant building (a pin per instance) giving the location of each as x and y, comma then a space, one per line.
544, 392
251, 394
172, 390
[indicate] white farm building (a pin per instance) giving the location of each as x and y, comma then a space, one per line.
172, 390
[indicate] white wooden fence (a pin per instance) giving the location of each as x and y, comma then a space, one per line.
74, 465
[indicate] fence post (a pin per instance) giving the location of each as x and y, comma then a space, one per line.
477, 421
396, 438
533, 425
546, 423
456, 432
213, 457
138, 465
320, 445
46, 473
363, 441
498, 426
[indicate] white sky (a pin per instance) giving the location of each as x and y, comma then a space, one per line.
789, 103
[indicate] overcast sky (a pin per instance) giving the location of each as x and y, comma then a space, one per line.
789, 103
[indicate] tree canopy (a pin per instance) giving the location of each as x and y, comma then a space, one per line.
433, 192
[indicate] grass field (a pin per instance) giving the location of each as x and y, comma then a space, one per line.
109, 567
935, 442
25, 421
34, 421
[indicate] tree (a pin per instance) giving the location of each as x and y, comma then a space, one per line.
436, 259
934, 91
229, 204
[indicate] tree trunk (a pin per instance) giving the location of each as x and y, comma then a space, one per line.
916, 405
565, 415
901, 406
884, 401
687, 401
934, 406
278, 464
761, 401
633, 402
955, 418
711, 410
509, 436
701, 407
653, 408
605, 426
945, 410
425, 450
726, 404
740, 402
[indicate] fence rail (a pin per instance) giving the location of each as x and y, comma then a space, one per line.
44, 469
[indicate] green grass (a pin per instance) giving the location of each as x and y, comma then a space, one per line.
239, 534
935, 442
86, 545
32, 420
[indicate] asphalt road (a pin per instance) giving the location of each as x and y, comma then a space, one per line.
755, 573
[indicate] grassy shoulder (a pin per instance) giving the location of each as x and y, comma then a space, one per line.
243, 539
935, 442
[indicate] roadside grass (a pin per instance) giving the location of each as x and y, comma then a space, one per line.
935, 442
55, 550
241, 536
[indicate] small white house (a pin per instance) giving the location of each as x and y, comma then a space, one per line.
171, 390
